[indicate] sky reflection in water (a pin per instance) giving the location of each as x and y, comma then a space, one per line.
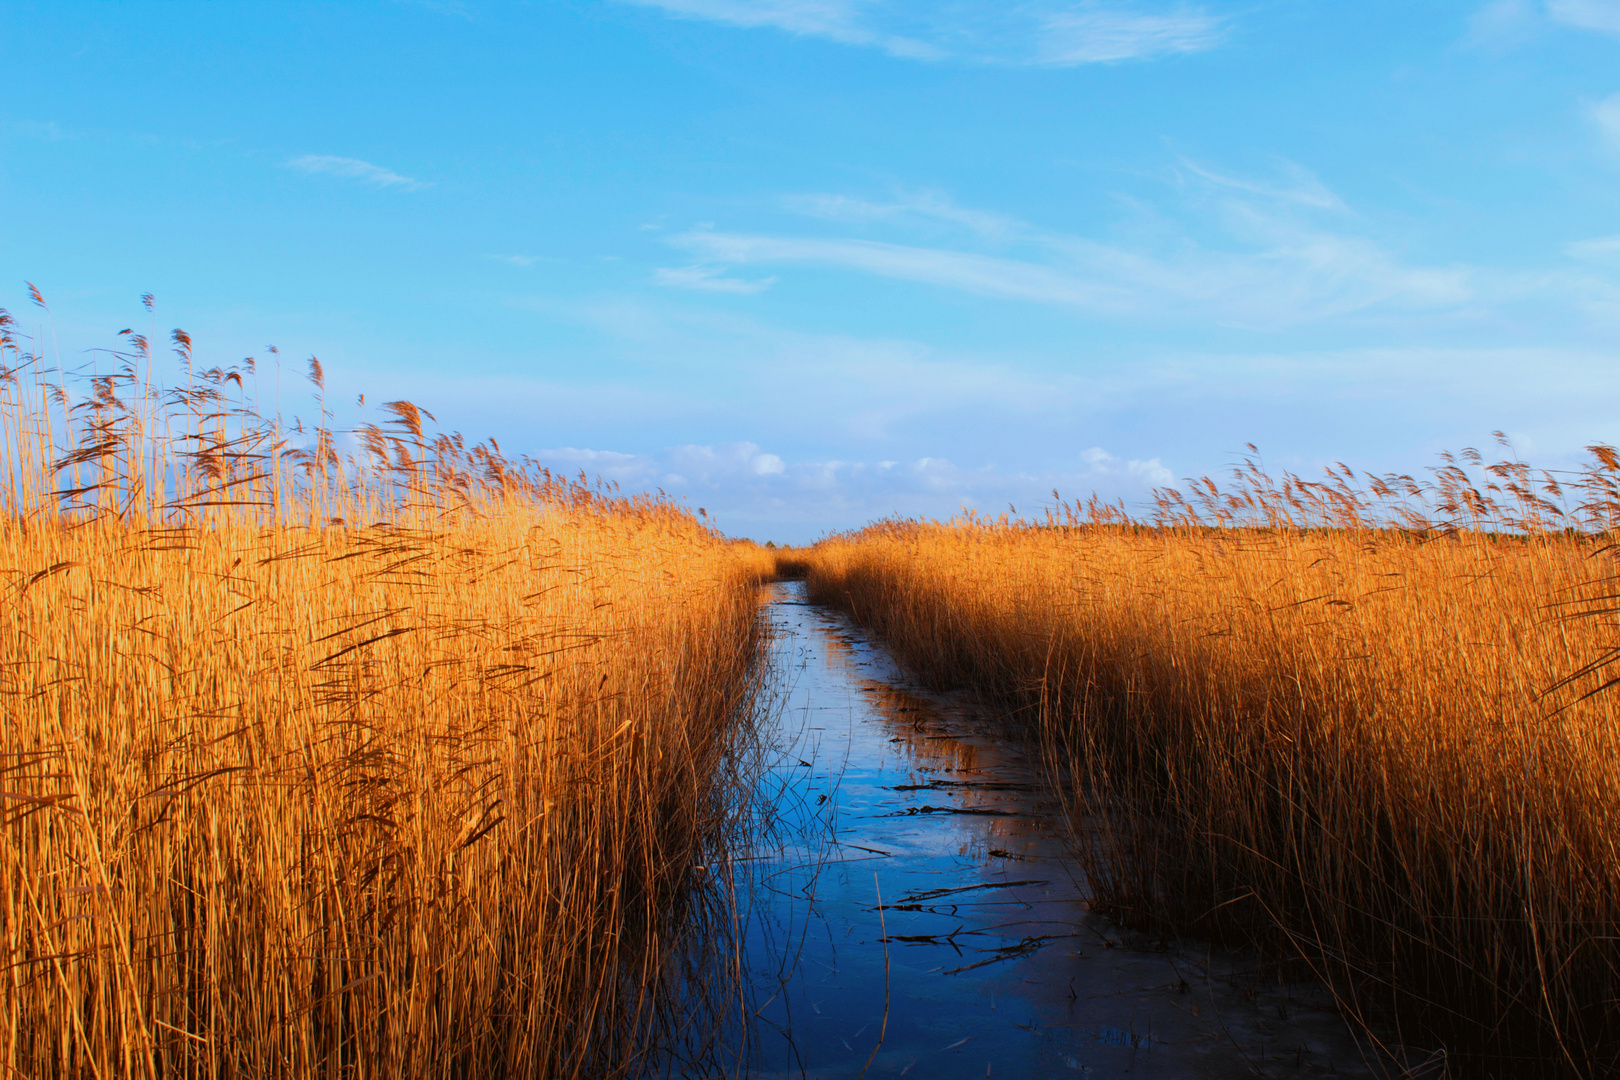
995, 966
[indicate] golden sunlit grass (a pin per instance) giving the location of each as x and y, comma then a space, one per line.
400, 765
1357, 725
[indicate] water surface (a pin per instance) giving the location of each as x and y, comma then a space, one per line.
913, 910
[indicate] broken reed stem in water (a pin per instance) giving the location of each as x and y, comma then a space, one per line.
1372, 727
390, 766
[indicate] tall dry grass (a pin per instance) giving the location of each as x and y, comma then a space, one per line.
328, 755
1364, 723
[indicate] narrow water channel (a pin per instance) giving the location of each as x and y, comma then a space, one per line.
913, 910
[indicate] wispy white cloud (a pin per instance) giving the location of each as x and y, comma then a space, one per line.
868, 427
709, 279
1298, 185
710, 464
1598, 249
1605, 116
1151, 471
1046, 32
1502, 25
1600, 15
1092, 34
687, 467
743, 487
924, 204
811, 385
835, 19
986, 275
353, 169
1292, 253
843, 21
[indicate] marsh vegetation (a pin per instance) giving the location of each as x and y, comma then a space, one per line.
371, 753
1365, 724
369, 757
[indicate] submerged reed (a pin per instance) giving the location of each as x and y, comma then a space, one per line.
396, 762
1366, 723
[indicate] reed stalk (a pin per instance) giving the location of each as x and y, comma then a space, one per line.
398, 763
1364, 723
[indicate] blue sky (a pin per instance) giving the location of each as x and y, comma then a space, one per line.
807, 263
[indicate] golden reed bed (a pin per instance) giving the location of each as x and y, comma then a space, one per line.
1364, 724
400, 765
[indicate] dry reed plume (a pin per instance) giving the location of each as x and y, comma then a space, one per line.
1363, 722
396, 763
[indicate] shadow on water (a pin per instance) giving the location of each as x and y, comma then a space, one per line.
910, 908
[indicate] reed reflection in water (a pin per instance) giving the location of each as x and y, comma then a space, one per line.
981, 957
